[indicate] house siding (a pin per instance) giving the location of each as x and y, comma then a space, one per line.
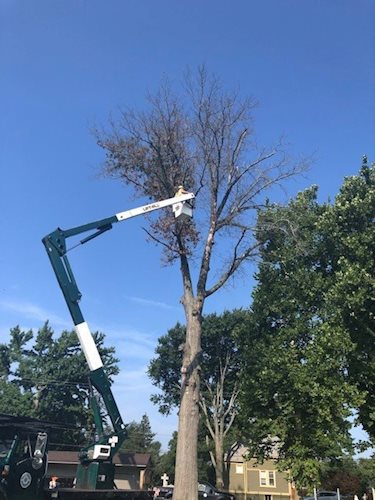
246, 485
132, 470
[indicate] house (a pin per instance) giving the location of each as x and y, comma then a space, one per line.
251, 481
132, 470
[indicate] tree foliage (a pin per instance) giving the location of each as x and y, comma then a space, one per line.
220, 366
205, 468
351, 476
140, 436
350, 231
344, 474
366, 468
297, 395
47, 377
168, 459
141, 439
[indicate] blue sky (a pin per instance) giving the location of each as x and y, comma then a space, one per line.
65, 65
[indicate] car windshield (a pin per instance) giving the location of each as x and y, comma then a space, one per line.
205, 487
5, 445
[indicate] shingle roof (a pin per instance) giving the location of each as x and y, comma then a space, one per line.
129, 459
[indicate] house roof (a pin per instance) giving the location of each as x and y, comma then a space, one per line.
238, 454
241, 451
120, 459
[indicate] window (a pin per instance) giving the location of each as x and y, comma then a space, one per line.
267, 478
5, 445
239, 468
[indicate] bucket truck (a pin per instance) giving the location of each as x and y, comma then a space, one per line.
96, 471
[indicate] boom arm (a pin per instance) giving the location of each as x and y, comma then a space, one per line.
55, 244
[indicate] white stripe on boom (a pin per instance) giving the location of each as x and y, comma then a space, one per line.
88, 346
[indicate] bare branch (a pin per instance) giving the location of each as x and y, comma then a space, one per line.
204, 408
236, 180
235, 263
206, 258
161, 242
230, 410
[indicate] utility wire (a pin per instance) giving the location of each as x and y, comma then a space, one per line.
51, 382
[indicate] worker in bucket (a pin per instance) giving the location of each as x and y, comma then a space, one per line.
181, 191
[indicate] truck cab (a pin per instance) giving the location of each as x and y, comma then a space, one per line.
23, 458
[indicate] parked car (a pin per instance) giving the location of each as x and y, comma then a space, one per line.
165, 492
209, 492
323, 495
205, 492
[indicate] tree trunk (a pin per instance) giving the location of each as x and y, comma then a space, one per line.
219, 469
186, 473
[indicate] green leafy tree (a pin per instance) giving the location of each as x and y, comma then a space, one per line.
344, 474
366, 467
220, 366
12, 400
168, 459
296, 395
352, 476
350, 232
204, 141
141, 439
140, 436
48, 378
205, 468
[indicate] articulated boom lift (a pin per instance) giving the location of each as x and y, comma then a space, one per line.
96, 470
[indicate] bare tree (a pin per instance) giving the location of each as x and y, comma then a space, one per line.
202, 140
219, 415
